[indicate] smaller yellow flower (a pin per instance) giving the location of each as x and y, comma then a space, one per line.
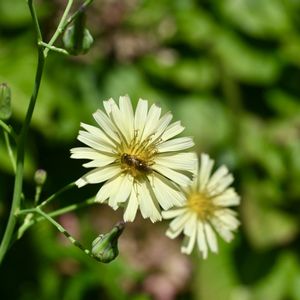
205, 209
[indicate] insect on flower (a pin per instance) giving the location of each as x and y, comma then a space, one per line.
137, 164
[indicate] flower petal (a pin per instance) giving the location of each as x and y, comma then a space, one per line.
106, 124
217, 178
190, 225
221, 186
148, 204
179, 222
177, 144
222, 230
98, 133
228, 219
140, 116
166, 192
93, 142
172, 234
123, 192
108, 104
227, 198
97, 163
189, 241
151, 122
122, 118
178, 161
172, 130
162, 125
112, 201
105, 191
172, 213
204, 171
131, 207
211, 238
125, 188
88, 153
98, 175
175, 176
127, 112
201, 240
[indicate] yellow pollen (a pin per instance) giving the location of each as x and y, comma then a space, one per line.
201, 204
137, 157
134, 165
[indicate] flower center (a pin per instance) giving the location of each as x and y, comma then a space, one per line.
135, 165
201, 204
137, 157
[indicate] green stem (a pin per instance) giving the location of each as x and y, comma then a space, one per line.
64, 23
8, 129
72, 207
21, 145
38, 191
10, 152
55, 195
55, 49
11, 156
60, 27
63, 231
28, 223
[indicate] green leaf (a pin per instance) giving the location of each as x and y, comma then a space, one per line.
283, 103
258, 147
127, 79
290, 48
206, 119
259, 18
244, 62
265, 225
189, 74
195, 27
281, 282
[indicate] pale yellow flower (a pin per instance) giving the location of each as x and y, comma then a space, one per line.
137, 156
205, 210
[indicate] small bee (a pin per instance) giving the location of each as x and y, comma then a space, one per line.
136, 163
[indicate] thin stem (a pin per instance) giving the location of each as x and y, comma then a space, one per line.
63, 24
38, 191
55, 195
35, 20
8, 129
55, 49
29, 221
60, 27
21, 145
71, 207
63, 231
74, 16
9, 151
11, 156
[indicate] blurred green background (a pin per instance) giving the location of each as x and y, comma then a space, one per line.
230, 71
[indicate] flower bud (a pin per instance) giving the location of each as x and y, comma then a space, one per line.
105, 246
5, 101
77, 38
40, 176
